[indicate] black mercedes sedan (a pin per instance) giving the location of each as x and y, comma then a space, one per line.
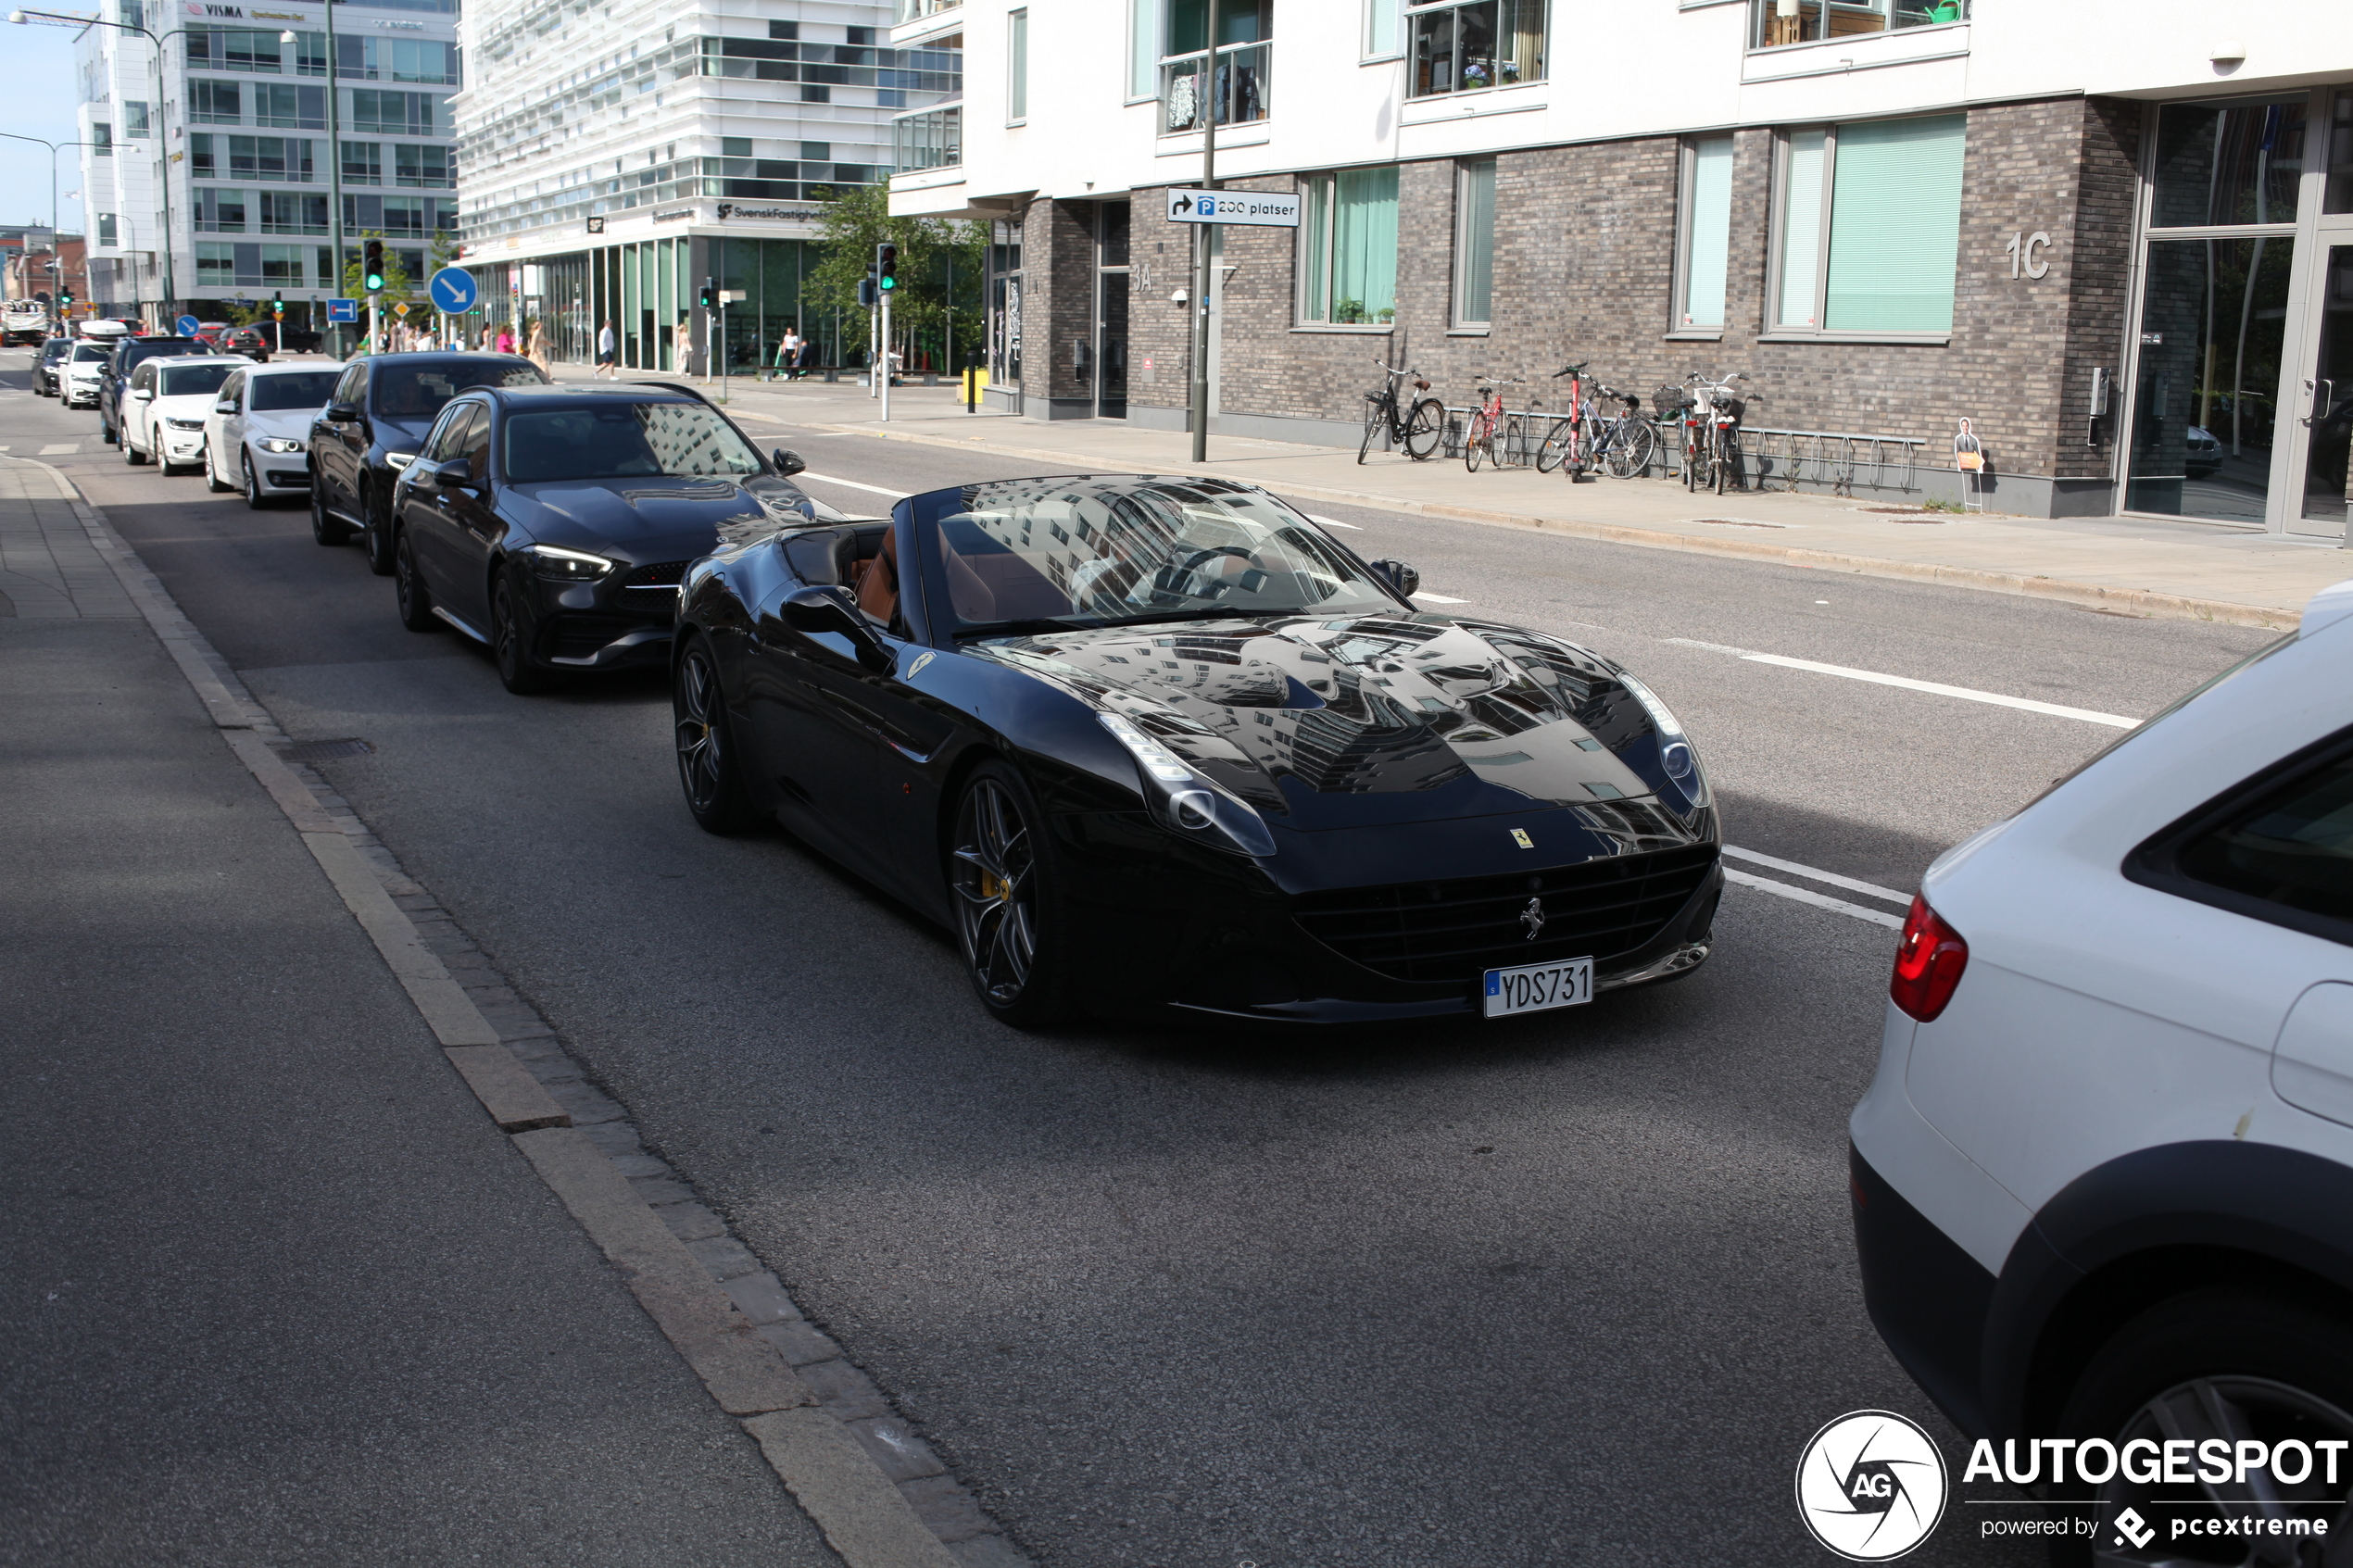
1150, 743
374, 426
553, 523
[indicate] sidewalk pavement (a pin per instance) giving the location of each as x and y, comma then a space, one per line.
277, 1290
2143, 566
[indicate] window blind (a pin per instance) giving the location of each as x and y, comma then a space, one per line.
1364, 245
1895, 226
1711, 233
1802, 229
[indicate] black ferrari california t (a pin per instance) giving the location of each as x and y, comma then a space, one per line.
1151, 742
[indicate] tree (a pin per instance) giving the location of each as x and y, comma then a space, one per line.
930, 251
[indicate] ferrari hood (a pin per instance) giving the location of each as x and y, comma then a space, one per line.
1362, 721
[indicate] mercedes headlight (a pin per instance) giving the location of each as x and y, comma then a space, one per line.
281, 444
1674, 752
1182, 800
552, 565
400, 460
184, 424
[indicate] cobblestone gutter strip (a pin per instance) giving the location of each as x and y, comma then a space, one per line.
2091, 596
881, 1495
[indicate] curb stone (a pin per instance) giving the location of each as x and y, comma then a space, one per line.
2088, 595
849, 1459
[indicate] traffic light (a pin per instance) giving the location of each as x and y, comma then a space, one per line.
65, 299
886, 267
277, 304
709, 297
866, 291
372, 268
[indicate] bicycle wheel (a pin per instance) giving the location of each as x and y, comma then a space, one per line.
1425, 428
1557, 441
1695, 475
1719, 462
1376, 417
1477, 442
1514, 442
1630, 451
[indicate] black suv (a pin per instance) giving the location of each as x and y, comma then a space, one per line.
373, 427
48, 365
127, 357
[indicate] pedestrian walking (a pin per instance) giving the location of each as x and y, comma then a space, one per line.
535, 346
506, 340
605, 345
787, 351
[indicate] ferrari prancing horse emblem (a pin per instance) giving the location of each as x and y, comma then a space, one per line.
1533, 917
1519, 836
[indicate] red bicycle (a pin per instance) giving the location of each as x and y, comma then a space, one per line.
1487, 421
1563, 445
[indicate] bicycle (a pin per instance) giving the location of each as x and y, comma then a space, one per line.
1487, 417
1563, 445
1622, 444
1418, 430
1711, 445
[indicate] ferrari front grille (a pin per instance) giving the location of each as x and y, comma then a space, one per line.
1448, 933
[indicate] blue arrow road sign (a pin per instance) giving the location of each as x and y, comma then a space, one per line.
187, 325
453, 290
343, 310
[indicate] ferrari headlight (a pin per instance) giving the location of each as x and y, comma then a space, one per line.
553, 565
281, 444
1674, 752
1185, 801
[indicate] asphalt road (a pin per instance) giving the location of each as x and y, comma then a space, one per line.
1573, 1288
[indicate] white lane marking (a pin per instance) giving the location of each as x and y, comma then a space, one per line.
1935, 688
60, 448
1819, 901
1334, 522
1441, 599
1814, 873
853, 485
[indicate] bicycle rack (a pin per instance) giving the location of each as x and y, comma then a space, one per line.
1833, 457
1534, 424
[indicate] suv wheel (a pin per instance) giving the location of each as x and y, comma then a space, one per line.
375, 535
2223, 1365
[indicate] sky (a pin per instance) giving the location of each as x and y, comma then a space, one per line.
38, 101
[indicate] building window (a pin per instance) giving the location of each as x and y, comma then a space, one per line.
1004, 302
1348, 264
101, 139
106, 229
1384, 24
362, 163
1017, 67
216, 103
1143, 49
917, 10
1867, 236
1466, 45
1475, 243
933, 139
421, 166
1703, 235
134, 118
1215, 52
220, 210
1773, 23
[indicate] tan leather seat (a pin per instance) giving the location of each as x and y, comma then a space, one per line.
876, 582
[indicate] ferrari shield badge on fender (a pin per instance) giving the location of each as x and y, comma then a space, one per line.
1519, 836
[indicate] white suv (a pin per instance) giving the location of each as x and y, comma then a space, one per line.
2102, 1182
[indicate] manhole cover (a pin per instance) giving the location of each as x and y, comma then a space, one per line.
320, 750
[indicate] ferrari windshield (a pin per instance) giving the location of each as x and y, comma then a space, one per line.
1093, 551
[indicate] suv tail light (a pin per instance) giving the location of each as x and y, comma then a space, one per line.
1929, 961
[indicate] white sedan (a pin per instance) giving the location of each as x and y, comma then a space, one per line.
255, 437
2103, 1181
164, 407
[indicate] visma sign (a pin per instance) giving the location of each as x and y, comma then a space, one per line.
1266, 208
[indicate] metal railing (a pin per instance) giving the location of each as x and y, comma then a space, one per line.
1239, 83
1783, 459
917, 10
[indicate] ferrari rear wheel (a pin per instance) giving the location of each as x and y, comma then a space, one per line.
1000, 881
715, 795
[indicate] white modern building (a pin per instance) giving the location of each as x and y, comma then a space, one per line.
229, 174
612, 157
2119, 242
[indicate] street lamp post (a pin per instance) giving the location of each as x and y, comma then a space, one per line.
57, 256
335, 163
163, 139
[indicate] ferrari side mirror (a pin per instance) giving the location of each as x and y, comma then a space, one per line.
829, 612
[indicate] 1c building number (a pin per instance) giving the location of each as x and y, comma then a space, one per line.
2024, 263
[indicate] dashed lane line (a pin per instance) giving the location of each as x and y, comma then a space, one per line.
1818, 901
1334, 522
853, 485
1935, 688
1813, 874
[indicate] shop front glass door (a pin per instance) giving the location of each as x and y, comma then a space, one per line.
2206, 399
2327, 401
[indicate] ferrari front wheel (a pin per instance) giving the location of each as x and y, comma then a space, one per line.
715, 794
1002, 884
